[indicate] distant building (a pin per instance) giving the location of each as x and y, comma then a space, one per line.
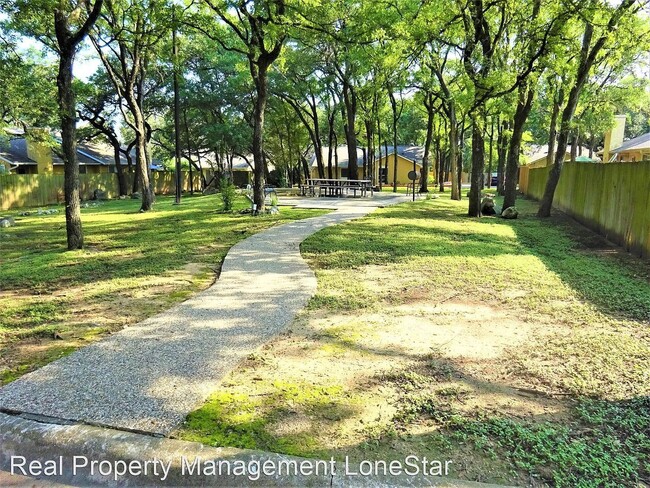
406, 157
26, 156
618, 150
536, 156
340, 163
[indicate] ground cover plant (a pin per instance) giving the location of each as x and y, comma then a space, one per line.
518, 349
134, 265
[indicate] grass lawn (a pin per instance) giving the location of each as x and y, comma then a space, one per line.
133, 266
518, 349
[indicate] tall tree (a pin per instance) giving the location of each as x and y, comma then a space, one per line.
61, 26
125, 39
601, 21
257, 35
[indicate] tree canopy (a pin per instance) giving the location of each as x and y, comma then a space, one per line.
277, 81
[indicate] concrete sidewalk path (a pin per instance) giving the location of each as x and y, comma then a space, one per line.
148, 377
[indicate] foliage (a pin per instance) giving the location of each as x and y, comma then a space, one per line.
607, 445
227, 193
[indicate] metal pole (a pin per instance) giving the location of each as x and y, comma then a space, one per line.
415, 171
177, 132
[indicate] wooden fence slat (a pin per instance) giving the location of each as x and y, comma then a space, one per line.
612, 199
39, 190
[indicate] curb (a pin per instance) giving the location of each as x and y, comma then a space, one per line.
59, 447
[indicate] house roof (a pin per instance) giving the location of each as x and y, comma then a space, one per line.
240, 163
16, 153
641, 142
341, 155
537, 153
88, 154
412, 153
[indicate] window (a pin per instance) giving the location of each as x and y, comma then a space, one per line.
344, 172
383, 175
646, 157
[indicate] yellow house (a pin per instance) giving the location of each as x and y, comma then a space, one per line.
637, 149
242, 169
617, 150
408, 159
340, 160
406, 156
24, 155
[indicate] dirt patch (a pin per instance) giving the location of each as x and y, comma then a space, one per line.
373, 352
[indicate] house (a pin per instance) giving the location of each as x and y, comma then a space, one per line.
24, 155
536, 156
620, 151
637, 149
408, 159
340, 160
242, 170
241, 165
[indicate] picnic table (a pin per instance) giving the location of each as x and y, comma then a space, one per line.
330, 187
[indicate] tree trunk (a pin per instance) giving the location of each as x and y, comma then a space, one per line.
574, 146
122, 185
349, 98
330, 141
552, 133
336, 156
459, 160
524, 105
386, 157
424, 175
381, 179
368, 171
478, 165
142, 163
67, 112
393, 104
502, 154
453, 154
318, 146
261, 85
489, 178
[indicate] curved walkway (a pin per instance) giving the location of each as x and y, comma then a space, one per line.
148, 377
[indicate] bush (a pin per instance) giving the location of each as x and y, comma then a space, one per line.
228, 192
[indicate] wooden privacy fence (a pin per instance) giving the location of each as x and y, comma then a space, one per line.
37, 190
612, 199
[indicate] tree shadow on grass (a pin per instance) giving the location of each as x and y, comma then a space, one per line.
615, 283
604, 275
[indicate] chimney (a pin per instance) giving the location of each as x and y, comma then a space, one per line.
39, 151
614, 137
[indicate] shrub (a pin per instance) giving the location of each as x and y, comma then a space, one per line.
228, 193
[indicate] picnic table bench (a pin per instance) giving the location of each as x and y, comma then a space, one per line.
335, 187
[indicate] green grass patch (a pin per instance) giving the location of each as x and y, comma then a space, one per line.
132, 267
608, 445
281, 420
